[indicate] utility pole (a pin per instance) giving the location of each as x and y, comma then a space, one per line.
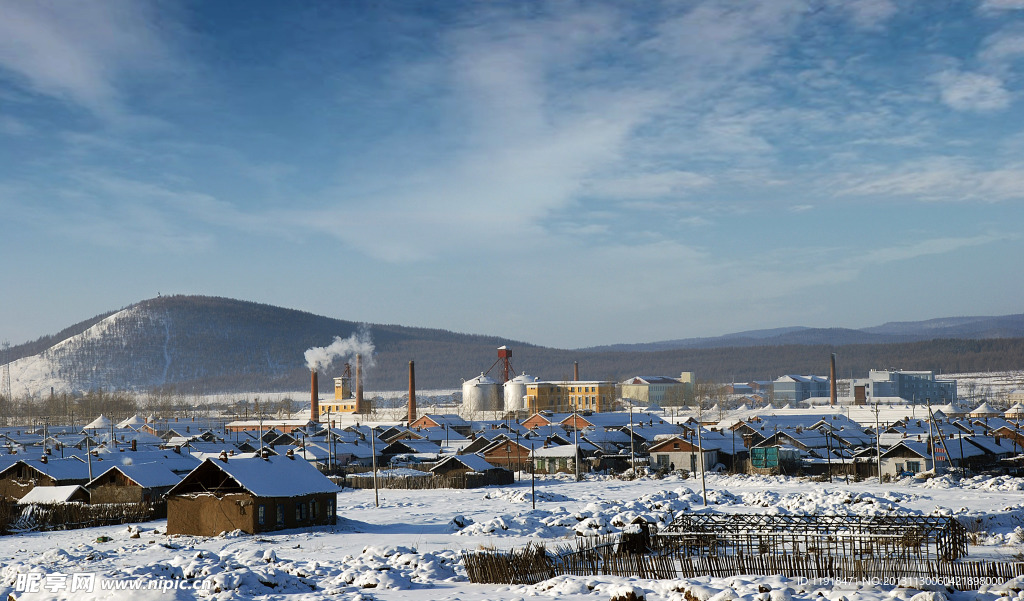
878, 447
533, 476
373, 452
828, 451
703, 482
632, 454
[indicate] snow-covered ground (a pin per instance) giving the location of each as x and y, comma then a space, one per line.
409, 547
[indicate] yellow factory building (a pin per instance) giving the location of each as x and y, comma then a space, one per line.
563, 397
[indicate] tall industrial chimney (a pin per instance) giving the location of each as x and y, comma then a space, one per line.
412, 392
576, 371
314, 397
832, 381
359, 385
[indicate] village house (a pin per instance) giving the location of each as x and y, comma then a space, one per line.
448, 421
463, 464
506, 452
254, 495
132, 483
678, 453
24, 475
907, 456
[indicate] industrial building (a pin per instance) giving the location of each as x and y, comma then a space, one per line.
794, 389
660, 390
566, 396
913, 386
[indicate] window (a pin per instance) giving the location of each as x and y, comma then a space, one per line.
312, 509
261, 514
913, 466
280, 515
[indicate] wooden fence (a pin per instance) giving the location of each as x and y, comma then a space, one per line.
535, 563
430, 481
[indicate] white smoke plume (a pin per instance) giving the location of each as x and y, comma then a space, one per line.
320, 357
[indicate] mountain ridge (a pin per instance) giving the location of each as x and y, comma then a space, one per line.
201, 344
981, 327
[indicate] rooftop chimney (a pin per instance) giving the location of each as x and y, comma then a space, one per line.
290, 454
412, 392
314, 397
359, 385
224, 456
43, 459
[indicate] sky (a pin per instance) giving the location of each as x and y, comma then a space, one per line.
561, 173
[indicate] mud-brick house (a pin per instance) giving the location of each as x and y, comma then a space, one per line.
134, 483
24, 475
256, 494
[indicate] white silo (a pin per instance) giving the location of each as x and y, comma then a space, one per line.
481, 394
515, 392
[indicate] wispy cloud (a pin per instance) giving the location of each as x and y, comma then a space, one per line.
81, 52
965, 91
935, 246
870, 14
1002, 5
939, 179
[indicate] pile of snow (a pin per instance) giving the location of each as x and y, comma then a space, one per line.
594, 519
525, 496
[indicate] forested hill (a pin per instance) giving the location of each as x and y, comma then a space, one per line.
196, 344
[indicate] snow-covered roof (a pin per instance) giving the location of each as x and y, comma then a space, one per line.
51, 494
176, 462
146, 475
275, 476
984, 409
474, 462
132, 422
565, 450
60, 469
100, 422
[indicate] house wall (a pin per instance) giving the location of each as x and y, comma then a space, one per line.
893, 466
509, 455
113, 493
684, 460
208, 515
19, 480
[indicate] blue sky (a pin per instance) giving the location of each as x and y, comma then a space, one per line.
564, 173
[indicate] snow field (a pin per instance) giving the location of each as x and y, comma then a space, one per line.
410, 547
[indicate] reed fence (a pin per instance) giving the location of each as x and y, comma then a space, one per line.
70, 516
620, 556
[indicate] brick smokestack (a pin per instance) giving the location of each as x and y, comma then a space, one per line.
832, 381
359, 385
576, 371
314, 397
412, 392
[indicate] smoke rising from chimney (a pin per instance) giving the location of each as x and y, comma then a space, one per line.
320, 357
